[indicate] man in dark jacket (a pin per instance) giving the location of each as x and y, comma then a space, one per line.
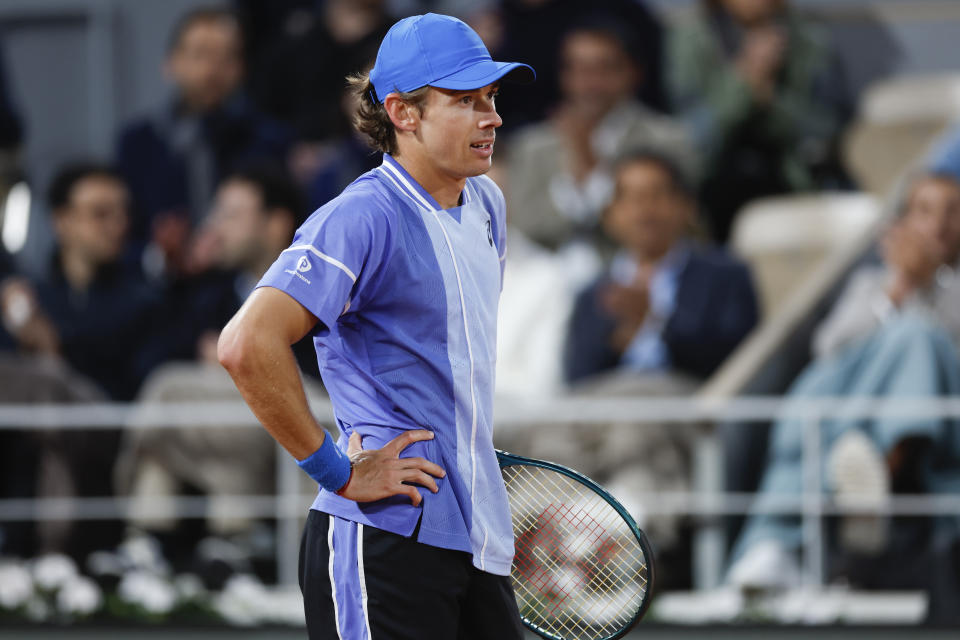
101, 311
665, 305
253, 217
174, 159
660, 319
94, 314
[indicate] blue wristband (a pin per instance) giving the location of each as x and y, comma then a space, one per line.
328, 465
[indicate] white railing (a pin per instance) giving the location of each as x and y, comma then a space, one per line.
707, 500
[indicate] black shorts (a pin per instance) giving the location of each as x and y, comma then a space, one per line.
361, 583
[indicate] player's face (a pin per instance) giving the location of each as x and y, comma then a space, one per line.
94, 223
457, 130
647, 213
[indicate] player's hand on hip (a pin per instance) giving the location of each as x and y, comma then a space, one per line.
381, 473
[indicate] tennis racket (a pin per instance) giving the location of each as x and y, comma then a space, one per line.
583, 569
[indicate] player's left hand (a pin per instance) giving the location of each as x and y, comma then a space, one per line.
381, 473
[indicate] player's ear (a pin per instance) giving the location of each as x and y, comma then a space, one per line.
403, 115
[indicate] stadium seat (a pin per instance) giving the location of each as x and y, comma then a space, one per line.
897, 121
785, 238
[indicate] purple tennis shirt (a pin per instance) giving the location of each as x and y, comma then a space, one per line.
406, 293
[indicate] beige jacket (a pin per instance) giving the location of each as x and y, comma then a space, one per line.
544, 201
864, 306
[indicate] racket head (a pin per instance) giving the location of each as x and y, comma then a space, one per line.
579, 554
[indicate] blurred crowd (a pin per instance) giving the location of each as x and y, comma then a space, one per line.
624, 168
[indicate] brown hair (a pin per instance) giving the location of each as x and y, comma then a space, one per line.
647, 155
371, 118
202, 15
677, 176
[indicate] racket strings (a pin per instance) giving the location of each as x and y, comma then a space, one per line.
579, 569
592, 609
580, 613
589, 502
586, 573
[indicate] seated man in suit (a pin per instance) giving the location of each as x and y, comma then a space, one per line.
665, 305
662, 317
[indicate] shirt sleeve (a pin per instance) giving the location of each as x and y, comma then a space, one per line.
333, 259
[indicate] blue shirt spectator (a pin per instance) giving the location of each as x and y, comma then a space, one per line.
665, 305
647, 350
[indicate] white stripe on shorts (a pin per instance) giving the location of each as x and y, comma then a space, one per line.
363, 580
333, 584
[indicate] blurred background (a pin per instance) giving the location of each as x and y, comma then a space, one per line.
731, 297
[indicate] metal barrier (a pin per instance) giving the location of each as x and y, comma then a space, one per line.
289, 506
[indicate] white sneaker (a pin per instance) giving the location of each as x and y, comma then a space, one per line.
765, 566
860, 479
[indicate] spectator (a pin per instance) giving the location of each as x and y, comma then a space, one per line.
301, 77
93, 313
761, 89
34, 463
254, 216
666, 306
256, 213
313, 98
101, 312
894, 332
174, 159
326, 168
560, 169
533, 30
658, 320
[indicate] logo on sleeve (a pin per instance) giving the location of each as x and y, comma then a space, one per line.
489, 233
303, 265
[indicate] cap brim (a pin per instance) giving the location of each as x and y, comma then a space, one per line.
484, 73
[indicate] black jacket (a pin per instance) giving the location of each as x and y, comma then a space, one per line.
104, 329
716, 308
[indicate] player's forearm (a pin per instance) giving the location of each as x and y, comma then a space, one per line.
264, 369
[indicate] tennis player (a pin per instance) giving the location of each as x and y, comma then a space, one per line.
398, 281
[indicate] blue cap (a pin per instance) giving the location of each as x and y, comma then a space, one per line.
439, 51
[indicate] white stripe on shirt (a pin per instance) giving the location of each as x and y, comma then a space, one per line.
473, 397
324, 257
402, 190
416, 194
